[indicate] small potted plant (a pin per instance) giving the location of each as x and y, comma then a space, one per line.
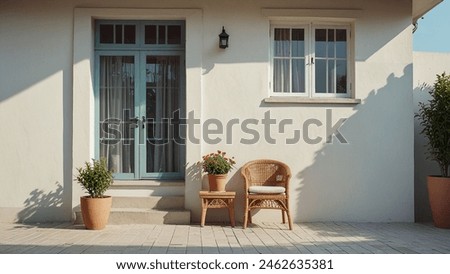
435, 120
217, 165
95, 179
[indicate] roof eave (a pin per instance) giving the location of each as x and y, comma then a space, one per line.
421, 7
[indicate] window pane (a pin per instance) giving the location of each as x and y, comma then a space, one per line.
281, 75
330, 43
174, 34
341, 77
321, 43
298, 42
107, 34
298, 75
150, 34
118, 34
161, 34
341, 43
130, 34
282, 48
331, 76
321, 76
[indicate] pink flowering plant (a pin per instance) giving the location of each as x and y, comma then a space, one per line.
217, 163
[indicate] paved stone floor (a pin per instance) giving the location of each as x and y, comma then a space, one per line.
264, 238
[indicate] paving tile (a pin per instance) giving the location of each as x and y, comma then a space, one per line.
265, 238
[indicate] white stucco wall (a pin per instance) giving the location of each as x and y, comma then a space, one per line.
426, 66
35, 110
48, 72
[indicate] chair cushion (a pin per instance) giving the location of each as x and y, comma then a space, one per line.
266, 189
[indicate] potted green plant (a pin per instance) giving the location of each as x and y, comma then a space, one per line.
95, 179
217, 165
434, 117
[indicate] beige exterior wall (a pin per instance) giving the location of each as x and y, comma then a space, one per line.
46, 110
426, 66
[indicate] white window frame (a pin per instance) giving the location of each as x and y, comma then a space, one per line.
310, 27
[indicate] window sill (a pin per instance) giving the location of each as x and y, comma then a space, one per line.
303, 100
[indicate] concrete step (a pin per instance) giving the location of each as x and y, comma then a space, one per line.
146, 202
153, 202
146, 188
144, 216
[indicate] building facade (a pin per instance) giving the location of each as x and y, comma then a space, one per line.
324, 86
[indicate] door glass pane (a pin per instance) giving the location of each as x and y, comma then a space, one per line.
116, 112
163, 143
106, 33
129, 34
174, 35
150, 34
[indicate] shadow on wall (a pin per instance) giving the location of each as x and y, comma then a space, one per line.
369, 179
192, 179
366, 179
235, 182
43, 206
193, 172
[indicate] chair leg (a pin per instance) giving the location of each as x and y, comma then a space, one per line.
288, 213
245, 213
283, 217
249, 212
289, 219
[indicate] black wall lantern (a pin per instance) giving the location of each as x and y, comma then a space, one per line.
223, 39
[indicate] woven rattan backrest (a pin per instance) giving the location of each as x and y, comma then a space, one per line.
266, 173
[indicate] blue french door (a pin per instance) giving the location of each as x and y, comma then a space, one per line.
140, 97
139, 104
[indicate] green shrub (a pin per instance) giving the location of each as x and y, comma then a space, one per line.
95, 178
435, 120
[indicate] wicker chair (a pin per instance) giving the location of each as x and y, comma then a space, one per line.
266, 187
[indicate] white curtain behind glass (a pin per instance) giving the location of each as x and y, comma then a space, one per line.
116, 107
163, 94
281, 69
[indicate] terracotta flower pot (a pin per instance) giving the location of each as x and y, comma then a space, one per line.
95, 211
217, 182
439, 196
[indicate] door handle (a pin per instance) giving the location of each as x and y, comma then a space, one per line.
143, 121
134, 121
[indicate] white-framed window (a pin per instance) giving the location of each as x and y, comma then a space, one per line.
311, 60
